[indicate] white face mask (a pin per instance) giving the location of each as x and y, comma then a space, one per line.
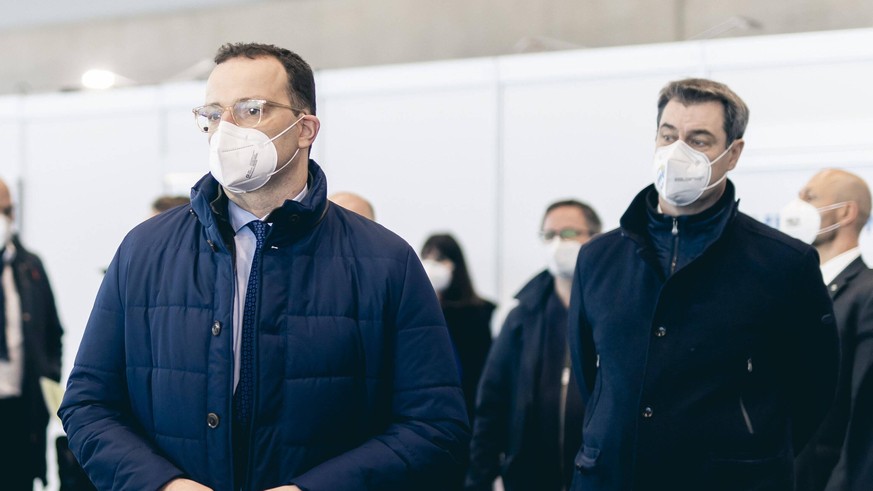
681, 174
561, 257
244, 159
440, 274
5, 231
802, 220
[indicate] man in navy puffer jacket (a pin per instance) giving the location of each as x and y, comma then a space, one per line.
306, 351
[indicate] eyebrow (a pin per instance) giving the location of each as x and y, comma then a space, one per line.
246, 98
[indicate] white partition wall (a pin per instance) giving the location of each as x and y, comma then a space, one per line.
475, 147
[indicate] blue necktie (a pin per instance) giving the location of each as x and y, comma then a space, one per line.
244, 395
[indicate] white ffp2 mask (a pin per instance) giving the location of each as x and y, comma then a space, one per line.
802, 220
681, 174
244, 159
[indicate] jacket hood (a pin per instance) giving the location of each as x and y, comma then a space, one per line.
291, 220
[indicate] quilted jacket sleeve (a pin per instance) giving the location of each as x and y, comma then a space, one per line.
425, 443
95, 411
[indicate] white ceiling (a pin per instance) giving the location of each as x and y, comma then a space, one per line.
33, 13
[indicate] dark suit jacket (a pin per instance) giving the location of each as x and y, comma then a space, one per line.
828, 463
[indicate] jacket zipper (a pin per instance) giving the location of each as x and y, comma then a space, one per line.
675, 233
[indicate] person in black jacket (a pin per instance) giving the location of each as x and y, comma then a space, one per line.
30, 348
833, 207
468, 316
703, 340
529, 412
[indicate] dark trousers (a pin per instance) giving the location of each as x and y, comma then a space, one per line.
16, 469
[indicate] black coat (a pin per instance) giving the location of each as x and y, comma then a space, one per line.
852, 293
42, 348
502, 443
470, 329
710, 378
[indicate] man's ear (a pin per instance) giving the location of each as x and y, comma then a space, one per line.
735, 152
849, 213
309, 127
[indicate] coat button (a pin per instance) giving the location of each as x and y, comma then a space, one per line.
216, 328
661, 331
212, 420
647, 412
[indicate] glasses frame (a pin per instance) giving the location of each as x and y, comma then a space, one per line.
549, 235
262, 102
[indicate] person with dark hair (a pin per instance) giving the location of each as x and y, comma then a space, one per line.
30, 350
468, 316
529, 412
703, 341
263, 338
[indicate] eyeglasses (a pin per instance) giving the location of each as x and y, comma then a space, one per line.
564, 234
246, 113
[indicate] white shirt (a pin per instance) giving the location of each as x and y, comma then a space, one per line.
11, 371
831, 269
245, 243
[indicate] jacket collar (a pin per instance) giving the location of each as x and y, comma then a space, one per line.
845, 277
290, 221
635, 220
535, 293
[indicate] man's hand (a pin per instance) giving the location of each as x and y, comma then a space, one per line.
184, 485
285, 488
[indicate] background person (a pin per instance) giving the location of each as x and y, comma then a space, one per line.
528, 422
30, 348
830, 213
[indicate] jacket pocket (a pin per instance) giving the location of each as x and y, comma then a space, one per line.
595, 397
586, 459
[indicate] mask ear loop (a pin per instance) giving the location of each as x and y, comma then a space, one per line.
828, 208
724, 176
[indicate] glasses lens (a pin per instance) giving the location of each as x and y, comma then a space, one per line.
248, 113
208, 117
570, 233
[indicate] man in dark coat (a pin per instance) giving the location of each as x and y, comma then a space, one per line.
263, 338
529, 412
838, 453
704, 340
30, 348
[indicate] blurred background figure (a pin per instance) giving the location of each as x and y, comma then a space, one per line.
468, 316
166, 202
355, 203
529, 412
830, 213
30, 349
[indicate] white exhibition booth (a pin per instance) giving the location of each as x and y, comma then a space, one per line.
477, 147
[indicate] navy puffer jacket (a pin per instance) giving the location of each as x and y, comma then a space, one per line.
356, 383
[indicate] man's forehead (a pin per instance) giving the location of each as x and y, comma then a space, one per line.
706, 113
241, 77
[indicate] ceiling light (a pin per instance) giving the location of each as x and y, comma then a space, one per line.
99, 79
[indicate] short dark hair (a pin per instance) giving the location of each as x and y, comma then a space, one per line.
164, 203
591, 218
460, 291
696, 90
301, 82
